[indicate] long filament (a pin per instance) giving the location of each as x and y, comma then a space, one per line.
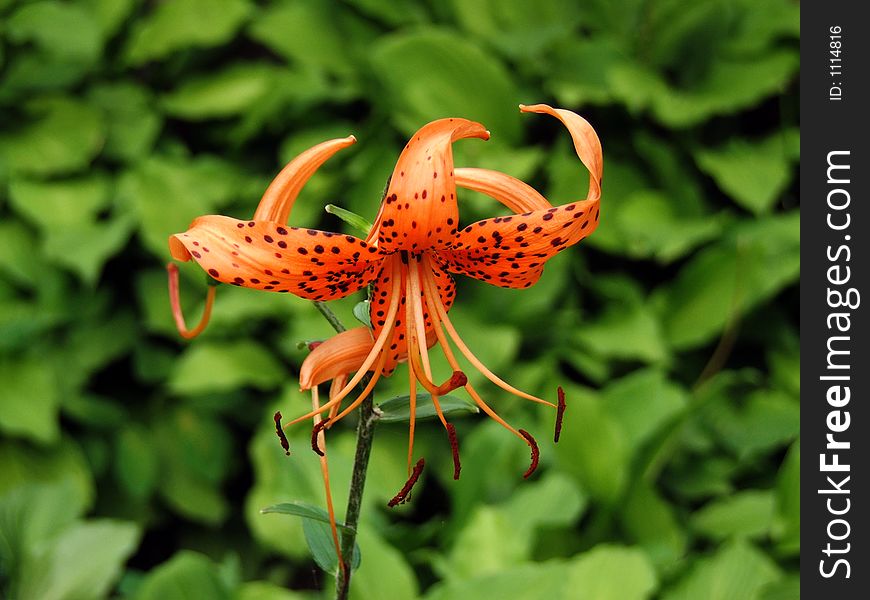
442, 314
385, 335
324, 470
175, 302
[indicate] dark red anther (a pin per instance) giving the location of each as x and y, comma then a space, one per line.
280, 431
454, 447
406, 489
457, 380
314, 431
535, 452
313, 345
560, 412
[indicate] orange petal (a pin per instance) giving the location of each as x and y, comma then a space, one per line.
517, 195
397, 349
586, 143
341, 354
278, 199
312, 264
419, 210
511, 251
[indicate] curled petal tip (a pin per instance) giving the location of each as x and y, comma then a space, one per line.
351, 139
177, 249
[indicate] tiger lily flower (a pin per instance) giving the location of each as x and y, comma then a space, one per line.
415, 244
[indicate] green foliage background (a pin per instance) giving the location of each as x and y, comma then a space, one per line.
135, 465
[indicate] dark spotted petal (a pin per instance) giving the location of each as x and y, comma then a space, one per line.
511, 251
312, 264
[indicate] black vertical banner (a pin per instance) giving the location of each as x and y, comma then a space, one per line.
835, 368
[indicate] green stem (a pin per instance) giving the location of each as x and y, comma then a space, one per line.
365, 433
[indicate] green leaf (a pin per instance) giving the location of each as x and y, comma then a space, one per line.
361, 313
728, 86
304, 510
30, 399
536, 581
263, 590
60, 203
651, 521
187, 575
593, 447
612, 573
753, 174
24, 465
385, 573
643, 402
744, 514
232, 91
222, 366
165, 194
736, 572
650, 224
352, 219
724, 281
137, 464
786, 528
133, 124
60, 136
318, 536
59, 29
82, 562
398, 409
516, 27
177, 25
433, 74
304, 32
763, 421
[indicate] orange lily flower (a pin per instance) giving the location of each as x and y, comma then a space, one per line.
416, 242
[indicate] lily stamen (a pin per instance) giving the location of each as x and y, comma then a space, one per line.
469, 355
402, 496
283, 438
315, 433
319, 441
175, 301
535, 452
560, 412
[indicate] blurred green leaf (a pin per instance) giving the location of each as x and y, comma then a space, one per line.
385, 573
137, 464
178, 25
60, 29
361, 313
720, 283
398, 409
754, 175
60, 203
735, 572
30, 399
744, 514
434, 73
187, 575
764, 420
195, 186
586, 429
643, 402
515, 27
545, 581
612, 573
651, 521
786, 528
304, 32
230, 92
133, 124
60, 136
81, 562
214, 367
